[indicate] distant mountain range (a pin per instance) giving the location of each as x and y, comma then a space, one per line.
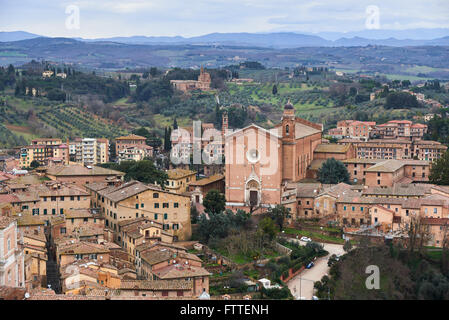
6, 36
116, 55
270, 40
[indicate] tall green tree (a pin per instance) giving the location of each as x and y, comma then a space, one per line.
268, 227
439, 173
34, 164
143, 171
214, 202
278, 214
175, 124
275, 90
332, 172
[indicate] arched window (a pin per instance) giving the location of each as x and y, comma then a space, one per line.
287, 129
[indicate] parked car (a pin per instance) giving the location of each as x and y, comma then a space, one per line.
306, 239
310, 265
315, 298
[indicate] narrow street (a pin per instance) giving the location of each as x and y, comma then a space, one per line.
53, 277
302, 284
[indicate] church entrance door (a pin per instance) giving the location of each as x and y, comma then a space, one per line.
253, 198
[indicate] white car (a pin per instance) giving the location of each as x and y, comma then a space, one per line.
306, 239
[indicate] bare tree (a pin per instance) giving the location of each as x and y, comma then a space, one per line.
419, 234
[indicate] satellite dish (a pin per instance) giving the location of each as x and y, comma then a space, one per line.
27, 295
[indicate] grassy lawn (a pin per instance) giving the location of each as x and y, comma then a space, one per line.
122, 101
254, 274
435, 255
163, 121
241, 258
316, 236
223, 275
404, 77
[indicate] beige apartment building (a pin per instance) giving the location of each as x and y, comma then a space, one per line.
380, 172
46, 153
81, 175
132, 140
179, 179
134, 200
48, 200
392, 215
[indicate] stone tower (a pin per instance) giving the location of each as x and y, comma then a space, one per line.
224, 123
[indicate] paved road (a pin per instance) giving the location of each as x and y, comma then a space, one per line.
302, 284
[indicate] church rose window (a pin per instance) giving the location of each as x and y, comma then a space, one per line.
253, 155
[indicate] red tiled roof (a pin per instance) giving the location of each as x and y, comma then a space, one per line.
436, 221
8, 198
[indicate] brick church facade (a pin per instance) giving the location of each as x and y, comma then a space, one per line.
260, 161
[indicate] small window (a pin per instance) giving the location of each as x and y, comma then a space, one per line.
155, 195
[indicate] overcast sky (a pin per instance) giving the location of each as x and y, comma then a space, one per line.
106, 18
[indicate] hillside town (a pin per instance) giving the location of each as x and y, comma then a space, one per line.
223, 159
73, 229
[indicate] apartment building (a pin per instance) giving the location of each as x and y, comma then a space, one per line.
134, 200
135, 153
198, 189
140, 231
393, 216
35, 251
70, 251
89, 151
396, 149
12, 271
47, 200
44, 153
353, 129
169, 263
131, 140
179, 179
84, 224
380, 172
209, 141
81, 175
90, 275
312, 200
400, 129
